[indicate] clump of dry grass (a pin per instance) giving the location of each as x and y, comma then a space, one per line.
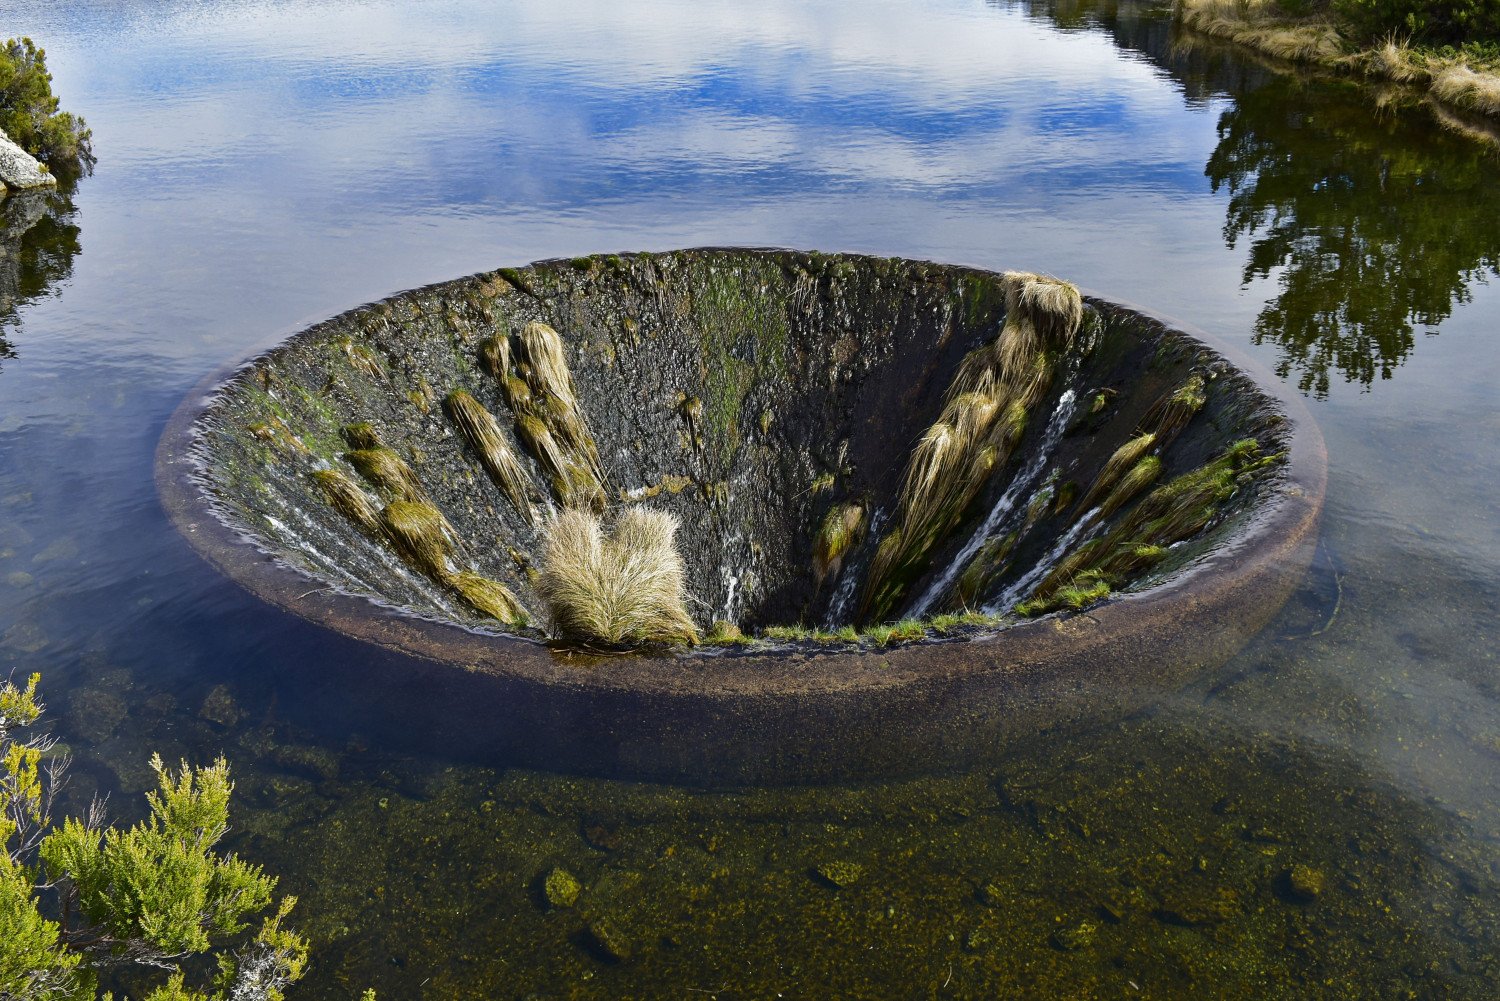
388, 472
538, 386
545, 363
1260, 24
624, 588
345, 497
1463, 88
361, 436
489, 597
421, 536
480, 429
494, 356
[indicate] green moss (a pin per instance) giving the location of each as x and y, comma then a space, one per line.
745, 342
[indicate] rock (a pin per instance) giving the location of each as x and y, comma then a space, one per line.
1074, 937
219, 707
561, 888
1304, 883
314, 762
839, 873
605, 939
19, 579
19, 169
602, 833
96, 714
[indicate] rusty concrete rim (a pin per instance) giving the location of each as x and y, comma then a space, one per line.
1267, 547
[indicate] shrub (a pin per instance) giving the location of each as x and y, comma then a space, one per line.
29, 115
149, 896
1431, 22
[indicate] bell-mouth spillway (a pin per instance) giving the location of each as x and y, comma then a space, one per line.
923, 510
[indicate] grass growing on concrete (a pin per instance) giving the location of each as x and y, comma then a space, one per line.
623, 588
421, 535
842, 529
490, 597
387, 472
982, 423
345, 497
480, 429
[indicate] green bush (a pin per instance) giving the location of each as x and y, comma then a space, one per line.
29, 115
149, 896
1427, 22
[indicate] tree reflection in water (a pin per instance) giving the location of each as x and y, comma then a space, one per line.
1372, 222
38, 240
1371, 227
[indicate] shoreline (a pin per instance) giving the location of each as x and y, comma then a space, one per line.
1453, 85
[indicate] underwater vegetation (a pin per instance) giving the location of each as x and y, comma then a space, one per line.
594, 491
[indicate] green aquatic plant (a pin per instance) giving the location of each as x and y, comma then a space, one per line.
480, 429
1116, 466
988, 563
1172, 513
621, 588
1174, 411
1140, 476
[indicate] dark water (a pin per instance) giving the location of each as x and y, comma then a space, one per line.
264, 164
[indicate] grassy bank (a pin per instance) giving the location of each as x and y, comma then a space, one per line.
1450, 49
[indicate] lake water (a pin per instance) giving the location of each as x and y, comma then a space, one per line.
265, 164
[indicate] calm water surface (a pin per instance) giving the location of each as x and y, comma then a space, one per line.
265, 164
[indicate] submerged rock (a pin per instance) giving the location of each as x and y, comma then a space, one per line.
840, 873
561, 888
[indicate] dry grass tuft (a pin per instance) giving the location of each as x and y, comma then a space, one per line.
546, 363
362, 435
623, 589
1125, 456
1052, 308
421, 535
494, 356
480, 429
1261, 25
489, 597
387, 472
1463, 88
345, 497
